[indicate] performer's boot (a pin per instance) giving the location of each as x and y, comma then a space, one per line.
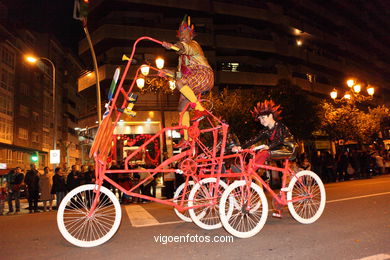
200, 112
190, 95
185, 121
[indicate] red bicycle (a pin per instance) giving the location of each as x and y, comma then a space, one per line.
303, 192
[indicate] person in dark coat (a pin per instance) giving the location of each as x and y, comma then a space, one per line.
14, 180
32, 183
73, 181
59, 186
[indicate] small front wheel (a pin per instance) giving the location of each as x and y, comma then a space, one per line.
178, 197
250, 209
204, 198
88, 231
306, 197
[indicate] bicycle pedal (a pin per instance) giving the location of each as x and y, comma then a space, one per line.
285, 189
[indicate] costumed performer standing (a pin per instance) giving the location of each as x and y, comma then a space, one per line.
194, 74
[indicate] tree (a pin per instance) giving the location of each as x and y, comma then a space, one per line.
300, 114
352, 120
234, 106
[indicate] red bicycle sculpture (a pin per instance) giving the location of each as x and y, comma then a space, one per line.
91, 214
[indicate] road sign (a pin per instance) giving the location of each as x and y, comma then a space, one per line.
54, 156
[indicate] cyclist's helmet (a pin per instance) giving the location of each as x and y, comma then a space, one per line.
265, 108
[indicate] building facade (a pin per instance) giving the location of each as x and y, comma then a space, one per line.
26, 100
249, 43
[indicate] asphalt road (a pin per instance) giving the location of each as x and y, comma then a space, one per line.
354, 225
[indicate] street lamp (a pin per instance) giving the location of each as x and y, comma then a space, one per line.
155, 82
160, 63
354, 93
34, 60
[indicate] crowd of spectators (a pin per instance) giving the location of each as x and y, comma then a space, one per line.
41, 187
350, 164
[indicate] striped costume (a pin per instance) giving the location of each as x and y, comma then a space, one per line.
193, 68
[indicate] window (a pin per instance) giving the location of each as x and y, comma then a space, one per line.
8, 58
46, 140
6, 105
24, 111
6, 128
3, 154
8, 158
20, 157
35, 116
23, 133
24, 89
230, 66
35, 137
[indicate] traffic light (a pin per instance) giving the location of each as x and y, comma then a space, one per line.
34, 157
80, 9
84, 8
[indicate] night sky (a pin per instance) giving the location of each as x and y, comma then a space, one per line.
53, 16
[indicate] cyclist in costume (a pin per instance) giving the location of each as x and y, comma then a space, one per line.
280, 142
194, 74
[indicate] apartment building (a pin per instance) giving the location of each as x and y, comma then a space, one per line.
249, 43
26, 100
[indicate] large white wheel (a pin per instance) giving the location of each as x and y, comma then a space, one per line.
179, 196
306, 197
204, 193
83, 231
250, 209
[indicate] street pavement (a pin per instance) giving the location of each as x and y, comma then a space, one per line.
354, 225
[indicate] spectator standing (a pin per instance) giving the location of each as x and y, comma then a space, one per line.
169, 183
72, 181
305, 164
380, 163
114, 176
328, 165
145, 177
127, 184
83, 175
45, 184
14, 180
342, 165
32, 184
355, 163
3, 197
90, 175
59, 186
364, 164
387, 161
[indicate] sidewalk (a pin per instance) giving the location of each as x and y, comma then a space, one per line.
24, 207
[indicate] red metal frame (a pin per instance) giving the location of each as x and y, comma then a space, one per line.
211, 166
208, 165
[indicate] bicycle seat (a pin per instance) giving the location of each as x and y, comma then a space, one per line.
287, 151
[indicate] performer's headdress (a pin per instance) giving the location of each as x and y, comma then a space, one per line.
265, 108
186, 26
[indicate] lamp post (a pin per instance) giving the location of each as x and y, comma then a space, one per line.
354, 92
34, 60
